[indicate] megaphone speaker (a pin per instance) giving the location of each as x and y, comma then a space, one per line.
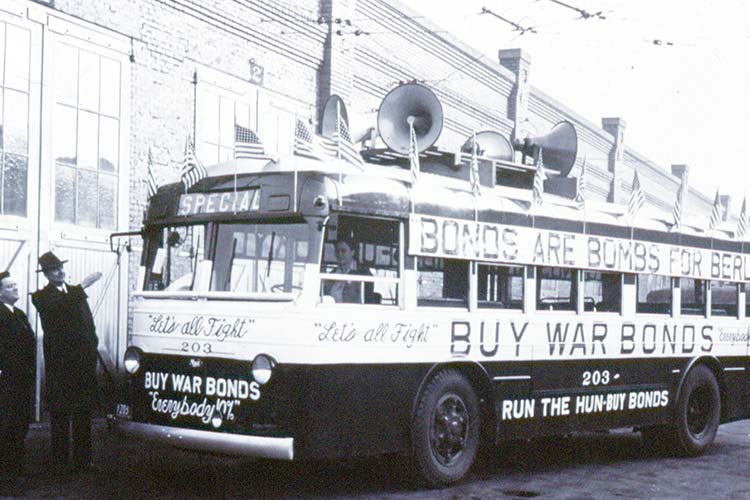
410, 103
559, 147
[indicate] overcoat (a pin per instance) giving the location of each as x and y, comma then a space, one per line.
70, 344
17, 363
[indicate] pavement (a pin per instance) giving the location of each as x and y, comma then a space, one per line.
590, 466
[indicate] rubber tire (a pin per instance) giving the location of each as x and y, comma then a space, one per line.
429, 470
686, 442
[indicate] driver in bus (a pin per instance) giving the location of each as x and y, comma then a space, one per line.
346, 263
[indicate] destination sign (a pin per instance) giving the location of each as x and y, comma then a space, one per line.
219, 203
462, 239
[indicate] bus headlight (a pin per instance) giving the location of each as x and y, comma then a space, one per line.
133, 357
262, 368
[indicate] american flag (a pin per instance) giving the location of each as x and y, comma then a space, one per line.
680, 202
715, 213
581, 188
247, 144
413, 154
476, 188
151, 180
637, 198
310, 145
539, 178
742, 222
346, 149
192, 169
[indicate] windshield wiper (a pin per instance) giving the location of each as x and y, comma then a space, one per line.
270, 254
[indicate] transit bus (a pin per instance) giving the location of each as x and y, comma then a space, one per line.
477, 318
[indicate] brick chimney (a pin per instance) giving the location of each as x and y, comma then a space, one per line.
616, 127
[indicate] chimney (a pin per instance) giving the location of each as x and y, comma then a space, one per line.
518, 62
616, 127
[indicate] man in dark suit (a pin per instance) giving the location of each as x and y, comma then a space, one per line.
70, 355
17, 362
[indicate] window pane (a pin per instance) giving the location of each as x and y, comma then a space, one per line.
500, 287
602, 292
442, 282
1, 114
242, 115
556, 289
14, 184
87, 139
208, 118
226, 154
107, 201
65, 194
16, 126
88, 83
692, 296
66, 71
654, 294
108, 144
64, 135
207, 153
226, 125
723, 298
87, 191
2, 52
110, 87
17, 58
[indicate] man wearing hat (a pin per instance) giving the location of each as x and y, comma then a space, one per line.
70, 354
17, 346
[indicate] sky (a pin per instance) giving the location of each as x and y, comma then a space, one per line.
677, 72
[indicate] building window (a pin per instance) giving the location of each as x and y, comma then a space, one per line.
499, 287
556, 289
217, 116
86, 137
15, 53
654, 294
692, 297
602, 292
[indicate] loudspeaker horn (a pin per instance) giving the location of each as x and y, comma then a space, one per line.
559, 147
410, 103
361, 128
334, 107
490, 144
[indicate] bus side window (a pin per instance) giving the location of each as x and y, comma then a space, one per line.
692, 297
654, 294
602, 292
500, 287
723, 298
442, 282
556, 289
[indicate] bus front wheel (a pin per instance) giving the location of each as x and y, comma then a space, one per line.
445, 430
698, 412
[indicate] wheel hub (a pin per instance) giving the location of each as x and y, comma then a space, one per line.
449, 429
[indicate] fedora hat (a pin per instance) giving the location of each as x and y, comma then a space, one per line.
49, 261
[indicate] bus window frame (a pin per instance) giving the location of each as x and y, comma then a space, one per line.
582, 287
576, 296
673, 304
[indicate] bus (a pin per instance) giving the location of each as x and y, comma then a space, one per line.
475, 318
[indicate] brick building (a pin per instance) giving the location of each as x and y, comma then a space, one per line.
89, 88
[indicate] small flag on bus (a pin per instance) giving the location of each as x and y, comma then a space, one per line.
679, 203
346, 148
310, 145
413, 154
742, 221
539, 178
637, 198
192, 169
247, 144
476, 187
581, 188
151, 180
715, 220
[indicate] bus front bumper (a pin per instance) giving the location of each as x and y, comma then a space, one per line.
214, 442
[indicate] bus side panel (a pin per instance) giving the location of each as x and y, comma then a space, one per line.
736, 395
354, 410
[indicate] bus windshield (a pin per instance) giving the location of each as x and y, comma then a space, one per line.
242, 258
